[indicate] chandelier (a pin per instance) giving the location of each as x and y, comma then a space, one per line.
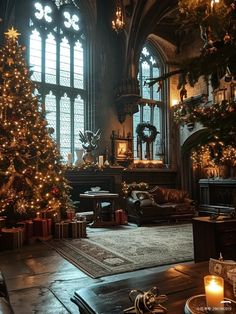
216, 19
118, 20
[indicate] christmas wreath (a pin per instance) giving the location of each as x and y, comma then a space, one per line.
143, 136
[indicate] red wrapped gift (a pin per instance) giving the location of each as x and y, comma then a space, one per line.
121, 217
40, 227
70, 215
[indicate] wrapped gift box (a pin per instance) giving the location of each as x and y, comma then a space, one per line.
11, 238
27, 226
61, 230
81, 229
121, 217
73, 229
42, 228
77, 229
2, 222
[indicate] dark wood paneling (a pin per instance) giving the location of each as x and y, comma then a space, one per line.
162, 177
218, 192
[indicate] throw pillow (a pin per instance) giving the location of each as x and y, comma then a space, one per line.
158, 195
141, 195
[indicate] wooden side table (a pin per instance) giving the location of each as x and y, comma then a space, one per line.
98, 198
212, 237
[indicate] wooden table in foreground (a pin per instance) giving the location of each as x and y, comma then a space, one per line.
179, 283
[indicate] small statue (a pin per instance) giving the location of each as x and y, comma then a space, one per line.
89, 142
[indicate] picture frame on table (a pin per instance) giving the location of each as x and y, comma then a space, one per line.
121, 149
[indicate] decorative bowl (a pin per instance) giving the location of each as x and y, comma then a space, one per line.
95, 188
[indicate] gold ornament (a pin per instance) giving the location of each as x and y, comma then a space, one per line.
10, 61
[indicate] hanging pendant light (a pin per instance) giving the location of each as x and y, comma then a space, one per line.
118, 20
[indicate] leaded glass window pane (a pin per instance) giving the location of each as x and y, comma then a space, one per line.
156, 73
50, 61
65, 123
57, 58
145, 74
35, 55
78, 65
146, 114
149, 111
78, 120
50, 107
65, 62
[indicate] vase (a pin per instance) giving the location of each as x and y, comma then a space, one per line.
79, 156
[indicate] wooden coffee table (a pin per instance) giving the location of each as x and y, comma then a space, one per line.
179, 283
97, 199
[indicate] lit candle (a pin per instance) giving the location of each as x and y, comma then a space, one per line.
214, 289
100, 161
38, 214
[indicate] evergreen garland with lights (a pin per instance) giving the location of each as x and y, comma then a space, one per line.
216, 22
31, 174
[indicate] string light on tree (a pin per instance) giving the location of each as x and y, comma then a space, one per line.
31, 174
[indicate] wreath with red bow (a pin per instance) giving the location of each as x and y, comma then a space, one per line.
141, 127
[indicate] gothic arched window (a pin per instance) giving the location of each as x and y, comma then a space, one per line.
151, 105
57, 44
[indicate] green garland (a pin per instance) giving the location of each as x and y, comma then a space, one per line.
145, 138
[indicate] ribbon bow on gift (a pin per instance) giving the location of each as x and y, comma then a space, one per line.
146, 302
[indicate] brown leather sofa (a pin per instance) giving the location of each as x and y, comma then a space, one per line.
144, 205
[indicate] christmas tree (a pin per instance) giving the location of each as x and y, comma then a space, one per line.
31, 172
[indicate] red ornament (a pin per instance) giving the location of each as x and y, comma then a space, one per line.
55, 191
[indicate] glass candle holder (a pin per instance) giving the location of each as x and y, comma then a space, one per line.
214, 290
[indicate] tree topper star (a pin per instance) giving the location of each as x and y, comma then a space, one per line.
12, 33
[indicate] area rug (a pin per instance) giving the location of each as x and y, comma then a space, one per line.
117, 251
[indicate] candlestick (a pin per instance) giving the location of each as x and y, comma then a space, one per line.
214, 289
100, 161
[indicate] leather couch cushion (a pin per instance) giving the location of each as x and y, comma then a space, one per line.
164, 195
175, 196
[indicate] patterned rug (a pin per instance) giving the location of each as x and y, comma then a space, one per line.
117, 251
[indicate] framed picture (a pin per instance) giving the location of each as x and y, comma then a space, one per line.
219, 95
121, 149
233, 91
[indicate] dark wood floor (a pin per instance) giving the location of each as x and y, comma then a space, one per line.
41, 281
